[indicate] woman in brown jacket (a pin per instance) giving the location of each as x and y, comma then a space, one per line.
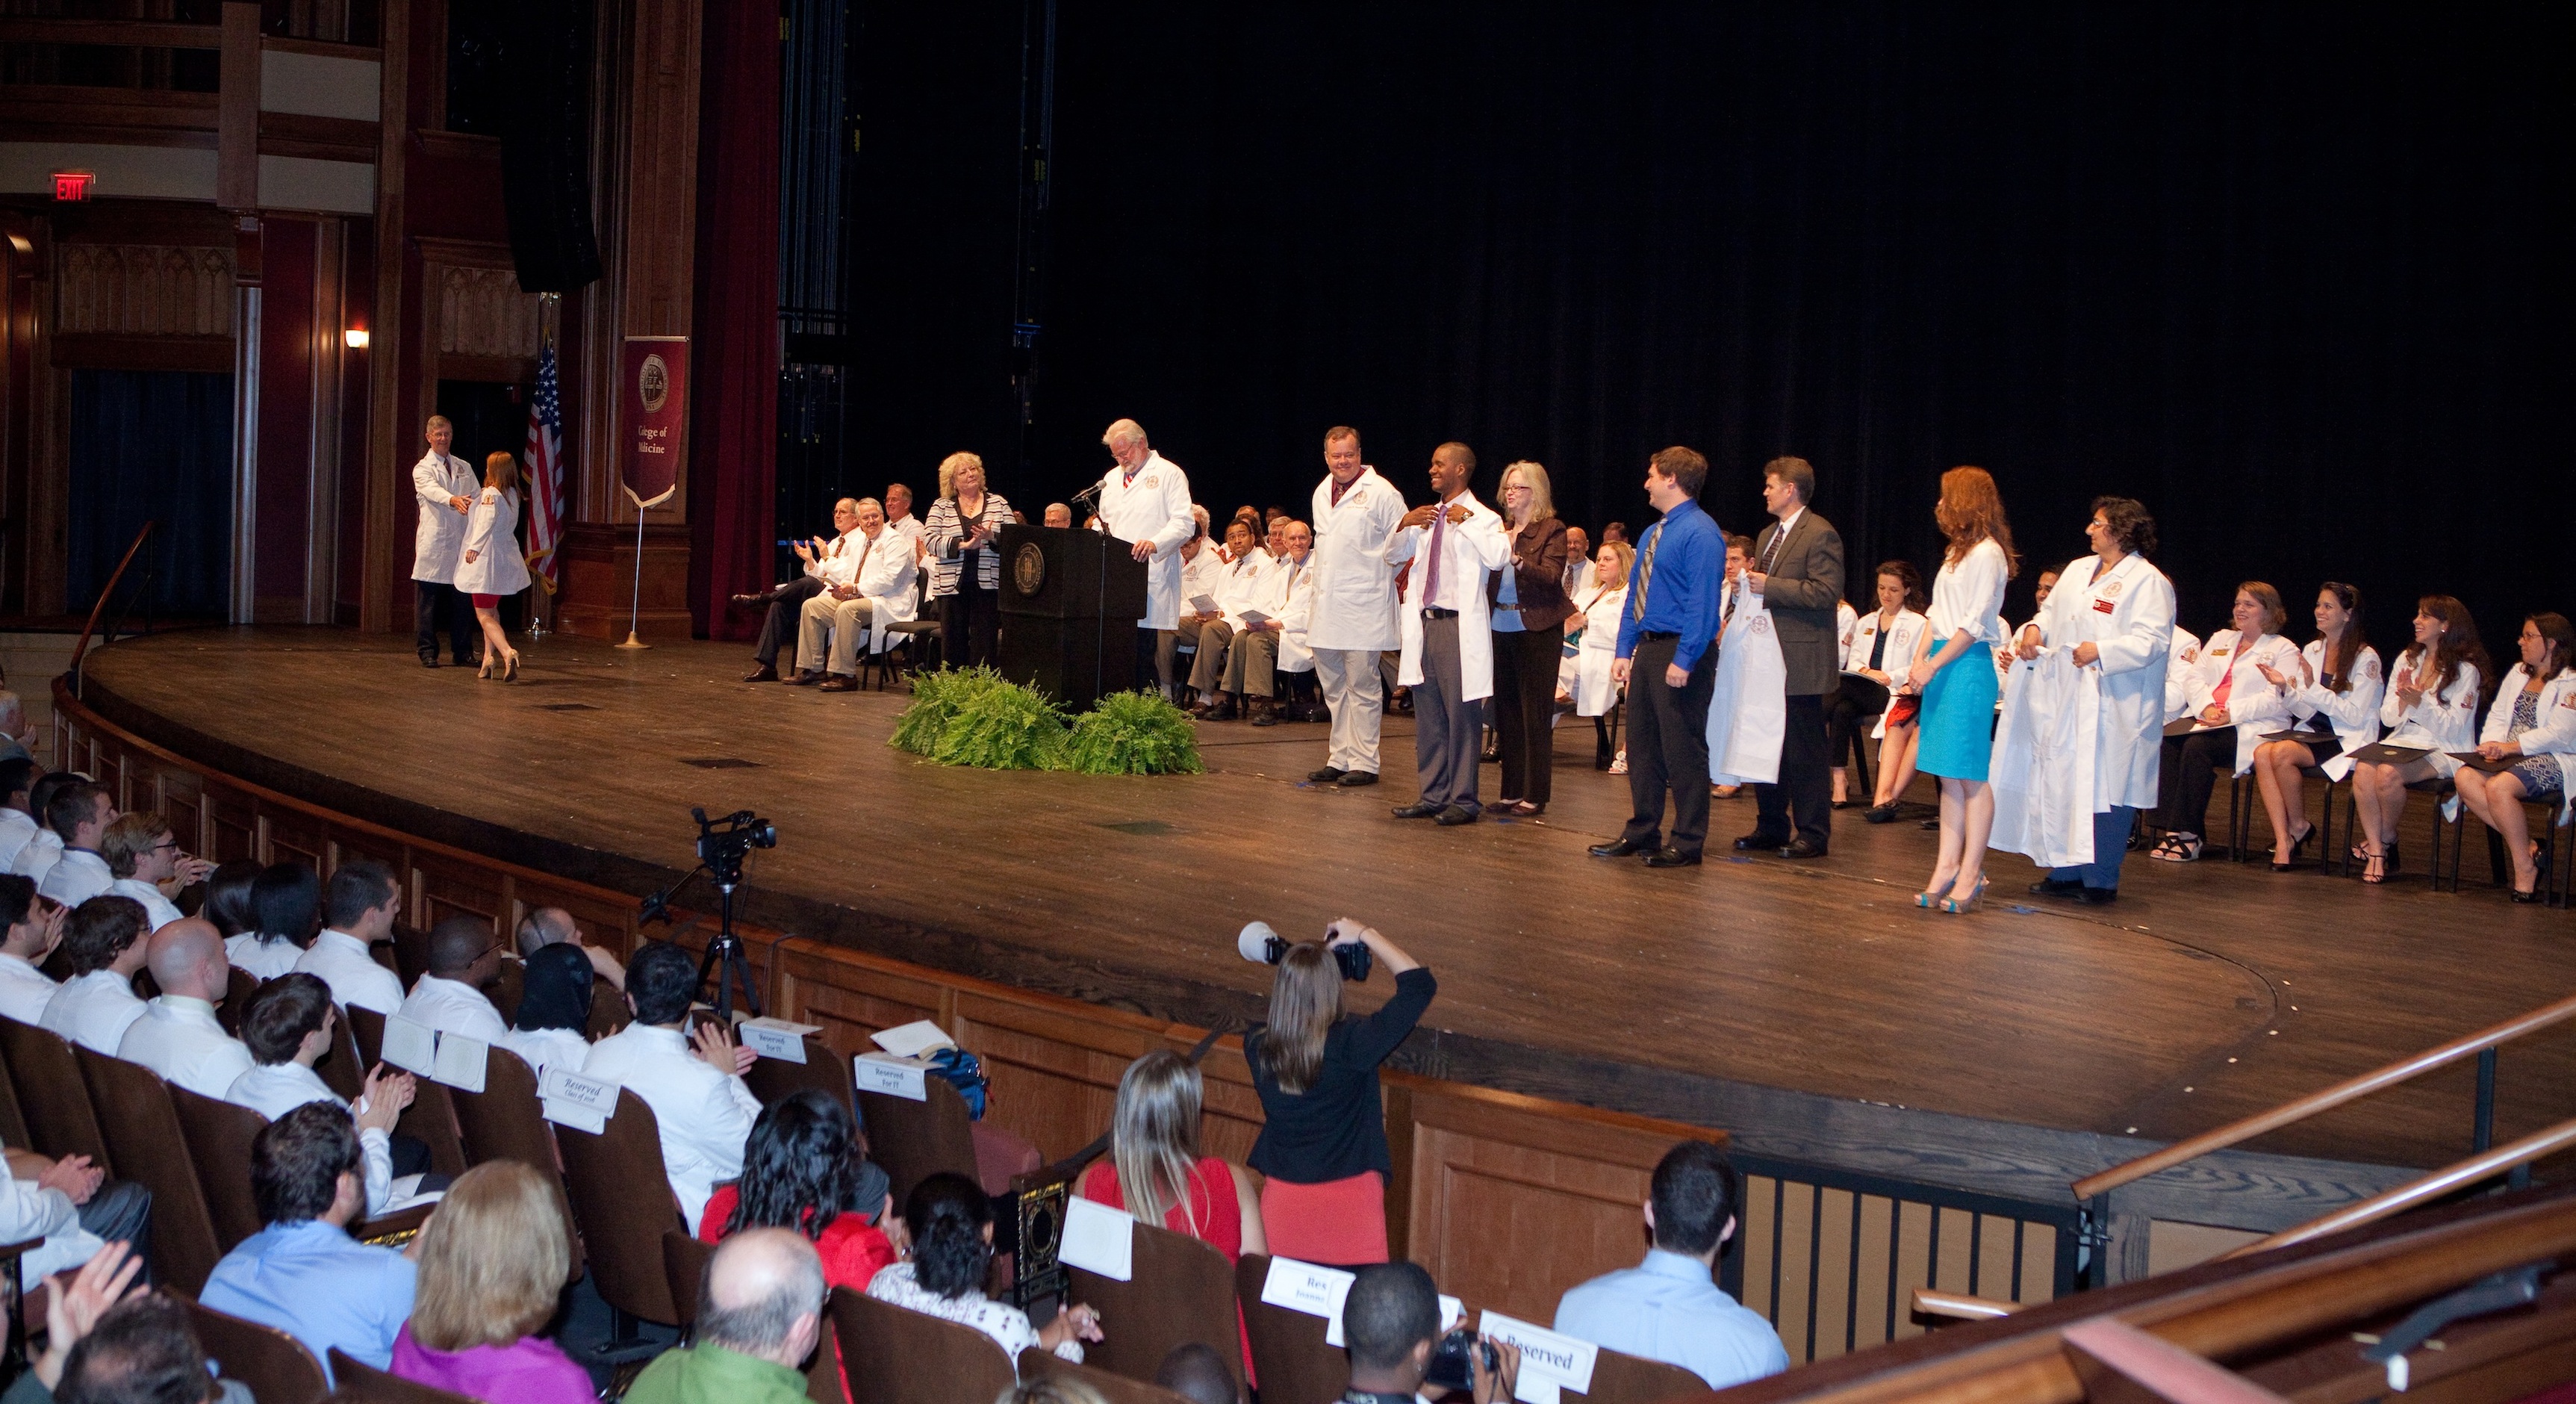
1529, 612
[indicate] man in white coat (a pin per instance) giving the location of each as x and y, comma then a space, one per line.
178, 1035
856, 612
1453, 543
2116, 612
1145, 501
1352, 617
446, 486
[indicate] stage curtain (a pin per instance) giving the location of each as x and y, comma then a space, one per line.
733, 442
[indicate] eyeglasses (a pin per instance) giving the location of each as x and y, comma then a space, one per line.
165, 845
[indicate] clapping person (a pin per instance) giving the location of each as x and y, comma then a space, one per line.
2338, 682
1957, 680
2533, 723
2432, 703
1594, 643
1525, 598
2233, 697
966, 565
1884, 647
553, 1021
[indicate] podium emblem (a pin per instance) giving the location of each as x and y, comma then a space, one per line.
1028, 568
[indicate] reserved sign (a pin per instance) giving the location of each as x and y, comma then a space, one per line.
894, 1077
1550, 1360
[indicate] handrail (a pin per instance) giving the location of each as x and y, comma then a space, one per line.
2332, 1097
46, 29
2406, 1196
106, 593
1959, 1306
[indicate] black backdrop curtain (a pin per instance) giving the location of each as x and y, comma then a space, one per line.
2296, 276
151, 445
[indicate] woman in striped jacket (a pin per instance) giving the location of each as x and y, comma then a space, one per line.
966, 560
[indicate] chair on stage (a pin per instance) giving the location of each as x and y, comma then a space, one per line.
143, 1137
52, 1099
1181, 1290
912, 647
622, 1201
1038, 1363
2540, 819
273, 1365
899, 1356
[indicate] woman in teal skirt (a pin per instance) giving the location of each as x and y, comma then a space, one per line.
1957, 679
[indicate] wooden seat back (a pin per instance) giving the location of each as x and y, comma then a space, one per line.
1629, 1379
508, 988
825, 1069
52, 1099
684, 1266
621, 1198
1037, 1362
13, 1122
1288, 1349
431, 1117
368, 1028
899, 1356
916, 1140
344, 1068
143, 1136
1181, 1290
239, 986
272, 1364
507, 1121
219, 1136
362, 1383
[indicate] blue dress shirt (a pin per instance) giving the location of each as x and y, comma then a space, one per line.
1668, 1308
1689, 555
319, 1285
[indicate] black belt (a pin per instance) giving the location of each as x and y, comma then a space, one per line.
1432, 612
1658, 635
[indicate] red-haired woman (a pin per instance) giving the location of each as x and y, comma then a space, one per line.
492, 566
2432, 703
1957, 680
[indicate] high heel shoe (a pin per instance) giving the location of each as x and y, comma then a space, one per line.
2387, 864
485, 672
1931, 897
1955, 905
2283, 865
2539, 875
512, 675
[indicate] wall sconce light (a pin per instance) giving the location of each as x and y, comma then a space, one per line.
356, 337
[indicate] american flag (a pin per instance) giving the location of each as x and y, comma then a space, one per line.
545, 472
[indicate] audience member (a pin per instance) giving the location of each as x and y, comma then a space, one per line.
760, 1313
18, 823
1391, 1325
2336, 690
1323, 1140
79, 816
493, 1260
178, 1035
554, 1009
228, 900
74, 1307
34, 927
287, 1028
145, 858
141, 1350
1528, 607
464, 957
2533, 724
696, 1093
804, 1171
1669, 1307
951, 1222
1195, 1372
71, 1206
2432, 703
550, 926
103, 943
286, 913
361, 905
46, 848
303, 1273
1154, 1170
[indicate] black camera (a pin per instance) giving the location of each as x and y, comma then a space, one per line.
1260, 944
1452, 1367
724, 843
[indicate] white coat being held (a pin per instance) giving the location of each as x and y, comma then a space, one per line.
1469, 551
492, 539
1354, 587
2127, 614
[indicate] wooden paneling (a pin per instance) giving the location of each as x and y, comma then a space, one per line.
481, 312
443, 887
143, 290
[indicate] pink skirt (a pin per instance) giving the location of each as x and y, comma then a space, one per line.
1339, 1222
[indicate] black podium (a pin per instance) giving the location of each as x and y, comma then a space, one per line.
1070, 602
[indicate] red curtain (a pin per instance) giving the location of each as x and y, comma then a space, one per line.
733, 445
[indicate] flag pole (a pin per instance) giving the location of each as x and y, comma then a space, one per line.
540, 600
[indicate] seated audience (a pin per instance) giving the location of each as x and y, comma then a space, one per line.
804, 1171
79, 814
1669, 1307
361, 905
34, 927
46, 848
286, 914
696, 1093
1154, 1170
2233, 701
144, 855
1058, 514
1216, 672
2333, 698
1323, 1141
493, 1261
287, 1028
951, 1223
140, 1350
827, 563
75, 1306
1885, 644
464, 958
2432, 703
2533, 724
553, 926
178, 1035
1390, 1327
855, 614
103, 944
303, 1273
18, 823
71, 1206
760, 1314
1195, 1372
554, 1009
228, 900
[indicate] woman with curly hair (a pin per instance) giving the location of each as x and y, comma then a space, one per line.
951, 1222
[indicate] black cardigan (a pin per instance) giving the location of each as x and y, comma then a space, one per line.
1336, 1128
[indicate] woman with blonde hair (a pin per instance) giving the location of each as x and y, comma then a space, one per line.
494, 1258
492, 566
1323, 1137
1965, 626
965, 561
1592, 641
1525, 600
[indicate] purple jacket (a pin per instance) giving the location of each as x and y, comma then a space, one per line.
531, 1371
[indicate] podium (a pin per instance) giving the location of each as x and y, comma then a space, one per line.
1070, 602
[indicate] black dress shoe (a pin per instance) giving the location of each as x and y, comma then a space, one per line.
429, 660
1759, 843
2097, 896
1453, 816
1327, 775
759, 599
1671, 858
1618, 848
1416, 811
2056, 887
1800, 848
764, 673
1356, 779
805, 680
1879, 814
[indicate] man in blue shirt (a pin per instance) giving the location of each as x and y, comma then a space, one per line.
1667, 667
1669, 1307
303, 1274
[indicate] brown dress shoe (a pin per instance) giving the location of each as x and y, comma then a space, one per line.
762, 673
839, 683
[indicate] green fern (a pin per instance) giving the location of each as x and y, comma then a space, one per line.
1001, 726
936, 699
1133, 733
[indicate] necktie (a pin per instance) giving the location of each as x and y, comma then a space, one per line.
865, 546
1772, 552
1431, 582
1646, 572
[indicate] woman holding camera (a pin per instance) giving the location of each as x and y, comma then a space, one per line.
1323, 1141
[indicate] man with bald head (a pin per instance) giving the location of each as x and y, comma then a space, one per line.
552, 926
178, 1036
827, 563
760, 1314
464, 956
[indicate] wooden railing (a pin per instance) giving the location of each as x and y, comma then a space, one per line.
106, 593
2537, 1146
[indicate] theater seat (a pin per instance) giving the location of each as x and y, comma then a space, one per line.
361, 1383
1181, 1291
52, 1099
900, 1356
143, 1136
272, 1364
621, 1198
431, 1117
684, 1266
219, 1138
1288, 1349
825, 1069
1037, 1363
506, 1121
1626, 1379
916, 1140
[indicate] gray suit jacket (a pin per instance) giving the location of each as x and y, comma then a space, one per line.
1805, 583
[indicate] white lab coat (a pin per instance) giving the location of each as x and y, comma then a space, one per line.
2553, 731
1846, 628
2185, 653
2445, 722
2254, 706
2045, 752
1594, 695
1202, 574
491, 536
1469, 550
1155, 508
1295, 593
2353, 712
440, 539
2127, 615
1904, 644
839, 562
1354, 585
1245, 585
1748, 710
885, 573
18, 828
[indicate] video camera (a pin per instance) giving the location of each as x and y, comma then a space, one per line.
724, 843
1263, 946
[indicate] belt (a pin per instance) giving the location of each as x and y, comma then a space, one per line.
1657, 634
1431, 612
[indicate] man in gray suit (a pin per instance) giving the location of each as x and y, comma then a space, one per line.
1797, 569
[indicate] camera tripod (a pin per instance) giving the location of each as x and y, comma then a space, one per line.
726, 961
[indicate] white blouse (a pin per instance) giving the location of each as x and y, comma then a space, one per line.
1006, 1324
1969, 594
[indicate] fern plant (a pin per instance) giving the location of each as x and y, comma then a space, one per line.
936, 698
1001, 726
1133, 733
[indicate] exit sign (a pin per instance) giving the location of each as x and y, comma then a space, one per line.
73, 185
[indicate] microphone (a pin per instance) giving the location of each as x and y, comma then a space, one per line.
1259, 944
1091, 494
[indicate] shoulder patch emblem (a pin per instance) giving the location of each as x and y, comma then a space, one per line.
2112, 590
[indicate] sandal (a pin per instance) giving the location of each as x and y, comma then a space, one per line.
2376, 868
2283, 865
2178, 848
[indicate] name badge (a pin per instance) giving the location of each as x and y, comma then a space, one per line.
776, 1038
895, 1077
1550, 1361
2103, 606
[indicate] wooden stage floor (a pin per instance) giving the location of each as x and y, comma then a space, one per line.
1744, 992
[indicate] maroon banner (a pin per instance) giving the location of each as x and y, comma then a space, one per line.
654, 419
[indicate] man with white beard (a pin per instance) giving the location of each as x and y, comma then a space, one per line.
1145, 501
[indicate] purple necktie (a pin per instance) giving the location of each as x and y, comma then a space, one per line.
1431, 582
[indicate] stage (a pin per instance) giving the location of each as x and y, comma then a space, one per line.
1811, 1007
